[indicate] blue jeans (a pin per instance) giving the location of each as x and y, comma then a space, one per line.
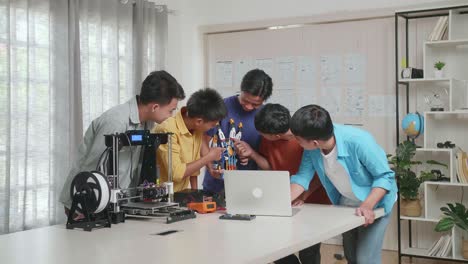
363, 245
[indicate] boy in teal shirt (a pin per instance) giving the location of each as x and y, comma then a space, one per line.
354, 171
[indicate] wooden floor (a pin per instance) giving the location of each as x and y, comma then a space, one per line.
388, 257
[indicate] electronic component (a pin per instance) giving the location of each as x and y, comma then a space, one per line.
168, 232
142, 138
244, 217
187, 196
151, 191
203, 207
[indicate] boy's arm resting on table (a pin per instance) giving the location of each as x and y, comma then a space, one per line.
296, 191
366, 208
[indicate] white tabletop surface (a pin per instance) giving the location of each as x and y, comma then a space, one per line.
205, 239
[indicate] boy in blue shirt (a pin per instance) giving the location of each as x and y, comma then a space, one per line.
256, 87
354, 171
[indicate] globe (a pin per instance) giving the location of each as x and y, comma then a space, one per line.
413, 124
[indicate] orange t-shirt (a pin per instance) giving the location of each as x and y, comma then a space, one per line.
286, 155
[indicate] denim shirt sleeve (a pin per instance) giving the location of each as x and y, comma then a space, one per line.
306, 171
373, 157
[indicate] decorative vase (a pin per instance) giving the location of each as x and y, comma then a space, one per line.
410, 207
438, 74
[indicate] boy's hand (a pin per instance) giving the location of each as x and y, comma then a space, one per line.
368, 214
297, 202
243, 149
243, 161
215, 153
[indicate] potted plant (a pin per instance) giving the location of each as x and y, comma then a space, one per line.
455, 215
438, 69
410, 204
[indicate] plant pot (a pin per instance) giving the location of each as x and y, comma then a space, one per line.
465, 249
438, 74
410, 207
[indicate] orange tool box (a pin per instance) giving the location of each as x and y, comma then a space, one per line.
202, 207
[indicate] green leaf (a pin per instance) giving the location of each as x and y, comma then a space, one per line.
455, 214
435, 162
406, 151
444, 224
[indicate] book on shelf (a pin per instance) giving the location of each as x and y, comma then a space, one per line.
441, 247
440, 30
445, 250
462, 166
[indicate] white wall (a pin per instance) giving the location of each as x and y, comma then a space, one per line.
185, 54
185, 58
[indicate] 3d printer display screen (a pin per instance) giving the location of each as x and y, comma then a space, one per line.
137, 138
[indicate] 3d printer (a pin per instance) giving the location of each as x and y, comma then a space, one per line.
98, 197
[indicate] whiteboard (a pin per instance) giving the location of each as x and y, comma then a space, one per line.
346, 67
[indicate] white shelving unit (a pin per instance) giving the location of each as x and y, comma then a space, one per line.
450, 124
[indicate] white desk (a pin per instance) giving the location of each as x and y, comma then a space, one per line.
205, 239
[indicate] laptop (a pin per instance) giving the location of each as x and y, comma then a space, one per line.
258, 192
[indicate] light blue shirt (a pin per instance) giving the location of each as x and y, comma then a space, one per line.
363, 159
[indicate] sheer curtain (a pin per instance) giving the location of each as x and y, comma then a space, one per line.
34, 114
62, 63
120, 44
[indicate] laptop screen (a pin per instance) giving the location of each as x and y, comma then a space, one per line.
258, 192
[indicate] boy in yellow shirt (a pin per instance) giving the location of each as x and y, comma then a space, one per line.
204, 109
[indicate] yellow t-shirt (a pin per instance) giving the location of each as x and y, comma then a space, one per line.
185, 149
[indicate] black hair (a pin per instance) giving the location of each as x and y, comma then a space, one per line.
160, 87
272, 119
312, 122
257, 83
206, 104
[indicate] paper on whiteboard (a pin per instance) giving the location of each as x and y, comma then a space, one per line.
382, 105
332, 105
306, 96
331, 69
285, 97
330, 99
266, 65
355, 68
242, 66
331, 91
355, 101
286, 70
306, 71
224, 71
